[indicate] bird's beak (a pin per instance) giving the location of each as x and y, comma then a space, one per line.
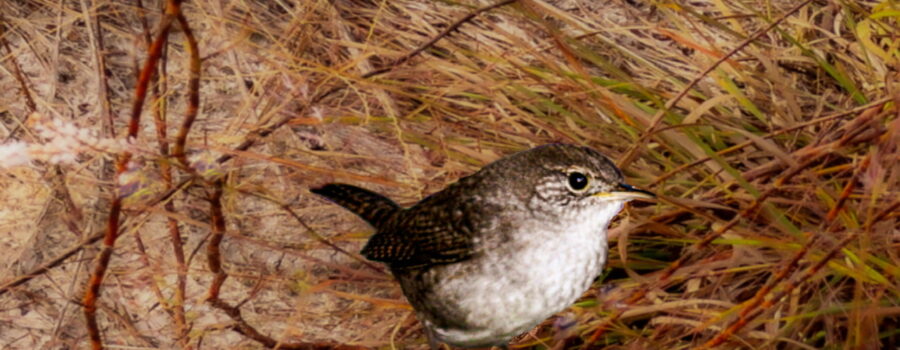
627, 192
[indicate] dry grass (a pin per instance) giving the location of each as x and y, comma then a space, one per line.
777, 161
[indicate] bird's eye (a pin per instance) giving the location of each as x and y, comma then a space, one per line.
578, 182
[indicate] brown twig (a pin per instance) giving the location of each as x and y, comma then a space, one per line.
55, 261
29, 101
217, 233
217, 216
112, 226
158, 108
21, 279
848, 188
193, 105
467, 18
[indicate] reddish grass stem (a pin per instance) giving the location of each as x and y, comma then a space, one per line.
193, 105
92, 292
165, 169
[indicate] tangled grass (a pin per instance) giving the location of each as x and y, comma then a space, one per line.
769, 129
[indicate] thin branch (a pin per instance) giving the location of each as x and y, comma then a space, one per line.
158, 108
314, 233
112, 226
214, 259
450, 29
657, 118
193, 105
22, 279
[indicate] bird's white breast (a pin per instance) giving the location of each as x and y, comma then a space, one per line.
524, 281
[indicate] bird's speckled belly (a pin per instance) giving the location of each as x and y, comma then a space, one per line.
507, 293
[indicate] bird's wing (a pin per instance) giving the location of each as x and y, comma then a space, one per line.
439, 230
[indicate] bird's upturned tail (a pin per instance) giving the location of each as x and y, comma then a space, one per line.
366, 204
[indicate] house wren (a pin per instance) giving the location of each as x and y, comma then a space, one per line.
499, 251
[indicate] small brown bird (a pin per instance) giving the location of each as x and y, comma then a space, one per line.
499, 251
